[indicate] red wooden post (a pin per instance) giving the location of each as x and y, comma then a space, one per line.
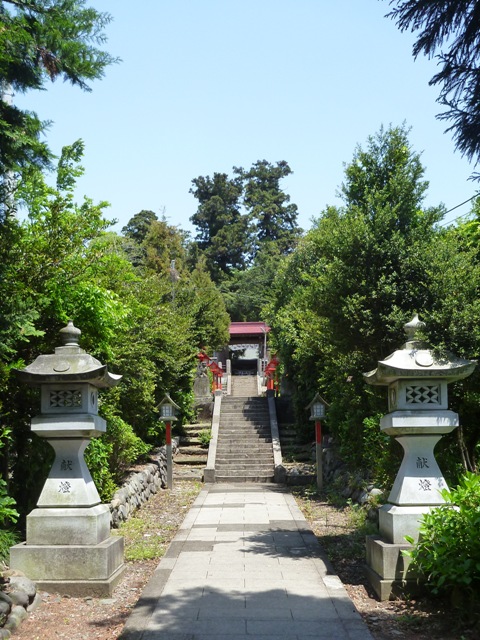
168, 441
318, 454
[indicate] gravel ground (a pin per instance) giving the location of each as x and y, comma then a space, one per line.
149, 532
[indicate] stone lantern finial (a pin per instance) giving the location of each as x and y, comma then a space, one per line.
411, 328
70, 335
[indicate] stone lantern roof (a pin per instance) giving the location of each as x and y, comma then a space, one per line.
416, 359
68, 364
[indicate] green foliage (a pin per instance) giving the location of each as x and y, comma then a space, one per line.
248, 292
448, 549
138, 227
273, 217
205, 435
76, 270
231, 238
449, 32
97, 457
341, 298
222, 229
205, 305
7, 539
42, 41
8, 513
110, 456
380, 451
142, 544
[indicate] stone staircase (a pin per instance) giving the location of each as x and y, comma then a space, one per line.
244, 386
244, 449
191, 456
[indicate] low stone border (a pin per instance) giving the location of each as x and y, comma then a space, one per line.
17, 599
140, 486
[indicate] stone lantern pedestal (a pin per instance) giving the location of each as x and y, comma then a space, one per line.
68, 546
418, 402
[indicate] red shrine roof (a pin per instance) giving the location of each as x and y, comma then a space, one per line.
248, 328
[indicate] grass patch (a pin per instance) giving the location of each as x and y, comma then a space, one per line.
150, 530
142, 542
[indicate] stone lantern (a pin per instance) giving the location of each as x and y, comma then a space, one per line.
68, 546
417, 382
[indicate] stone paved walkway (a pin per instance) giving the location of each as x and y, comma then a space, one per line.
245, 566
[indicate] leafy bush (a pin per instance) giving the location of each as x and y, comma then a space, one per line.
109, 456
448, 550
205, 435
8, 514
126, 447
97, 456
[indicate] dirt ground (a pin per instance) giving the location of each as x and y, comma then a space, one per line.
103, 618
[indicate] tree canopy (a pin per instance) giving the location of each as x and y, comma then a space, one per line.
343, 295
449, 32
239, 218
273, 217
40, 41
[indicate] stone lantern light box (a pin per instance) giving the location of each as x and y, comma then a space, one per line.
68, 545
317, 407
168, 409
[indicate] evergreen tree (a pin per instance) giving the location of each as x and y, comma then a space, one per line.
343, 296
273, 217
223, 234
42, 40
450, 32
139, 225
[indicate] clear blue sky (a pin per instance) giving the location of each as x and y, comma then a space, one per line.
205, 85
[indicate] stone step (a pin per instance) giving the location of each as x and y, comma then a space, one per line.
246, 415
226, 421
244, 452
244, 448
244, 426
237, 434
245, 463
245, 469
245, 437
241, 411
192, 451
244, 403
243, 479
190, 460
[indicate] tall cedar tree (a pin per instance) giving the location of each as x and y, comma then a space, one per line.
42, 40
222, 229
450, 32
272, 215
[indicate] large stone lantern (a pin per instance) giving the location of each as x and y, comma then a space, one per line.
417, 382
68, 546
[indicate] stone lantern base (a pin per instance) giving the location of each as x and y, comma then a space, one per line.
70, 551
388, 569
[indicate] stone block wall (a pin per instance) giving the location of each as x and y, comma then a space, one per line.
140, 486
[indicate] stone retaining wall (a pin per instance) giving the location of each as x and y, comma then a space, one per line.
355, 487
140, 486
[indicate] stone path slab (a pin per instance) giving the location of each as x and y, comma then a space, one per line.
245, 566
